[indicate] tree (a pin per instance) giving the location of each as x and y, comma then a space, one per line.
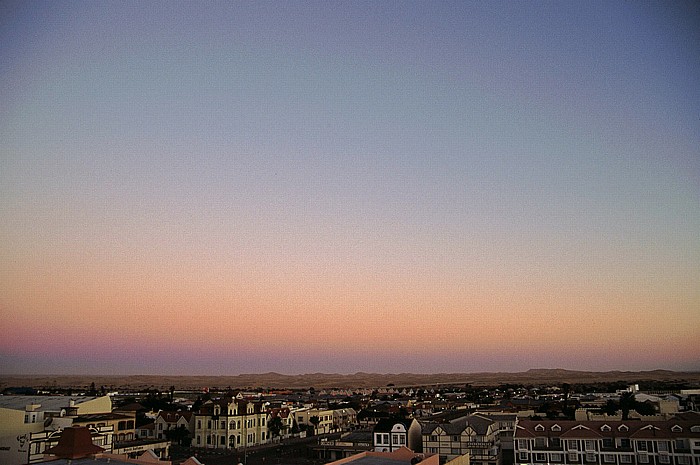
179, 435
627, 403
275, 426
314, 420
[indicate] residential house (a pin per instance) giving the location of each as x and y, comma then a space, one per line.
476, 435
167, 420
389, 435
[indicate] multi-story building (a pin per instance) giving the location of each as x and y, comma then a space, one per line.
230, 424
613, 442
24, 416
320, 419
345, 419
475, 435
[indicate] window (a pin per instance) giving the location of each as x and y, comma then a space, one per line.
555, 442
590, 444
222, 425
522, 456
590, 457
556, 458
540, 457
625, 459
624, 442
608, 458
208, 439
394, 438
540, 442
402, 439
662, 446
664, 459
539, 428
572, 444
199, 424
454, 451
642, 445
223, 440
199, 439
608, 442
556, 428
642, 458
455, 438
573, 457
522, 443
680, 444
433, 437
684, 460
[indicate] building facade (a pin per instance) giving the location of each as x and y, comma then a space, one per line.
631, 442
473, 435
230, 424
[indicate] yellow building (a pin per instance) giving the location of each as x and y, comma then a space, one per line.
21, 416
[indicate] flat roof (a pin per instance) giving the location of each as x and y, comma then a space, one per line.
47, 403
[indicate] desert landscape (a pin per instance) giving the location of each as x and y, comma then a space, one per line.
356, 380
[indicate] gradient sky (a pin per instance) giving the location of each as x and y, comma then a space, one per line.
241, 187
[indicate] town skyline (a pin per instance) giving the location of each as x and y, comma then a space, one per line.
341, 187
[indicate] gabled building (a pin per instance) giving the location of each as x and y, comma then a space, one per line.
167, 420
475, 435
389, 435
612, 442
286, 419
230, 424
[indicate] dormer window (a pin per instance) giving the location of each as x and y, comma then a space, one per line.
676, 428
539, 428
556, 428
695, 429
605, 428
622, 428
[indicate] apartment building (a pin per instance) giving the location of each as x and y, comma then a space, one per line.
323, 419
476, 435
612, 442
230, 424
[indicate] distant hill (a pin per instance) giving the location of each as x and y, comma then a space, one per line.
357, 380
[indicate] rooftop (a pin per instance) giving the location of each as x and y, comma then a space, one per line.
47, 403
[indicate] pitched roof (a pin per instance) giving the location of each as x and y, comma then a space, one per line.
74, 443
674, 427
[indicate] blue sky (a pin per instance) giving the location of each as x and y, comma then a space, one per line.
531, 163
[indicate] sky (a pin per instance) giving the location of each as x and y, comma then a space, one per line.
341, 186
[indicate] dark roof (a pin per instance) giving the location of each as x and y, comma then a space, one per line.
675, 427
74, 443
478, 423
385, 425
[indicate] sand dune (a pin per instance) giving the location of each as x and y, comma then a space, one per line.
357, 380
